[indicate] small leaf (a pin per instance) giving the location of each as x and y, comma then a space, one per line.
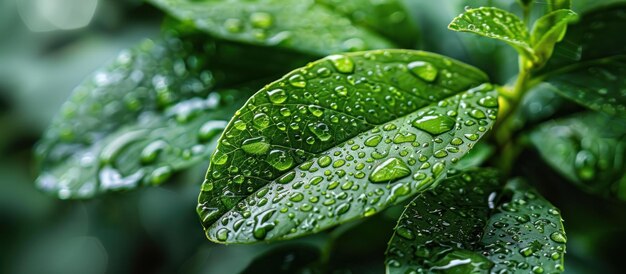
554, 5
465, 225
387, 17
589, 149
497, 24
153, 111
549, 30
300, 25
589, 66
342, 138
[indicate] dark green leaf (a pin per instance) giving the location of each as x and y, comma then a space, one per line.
152, 111
301, 25
466, 225
388, 17
549, 30
476, 157
589, 149
559, 4
589, 66
340, 139
289, 259
497, 24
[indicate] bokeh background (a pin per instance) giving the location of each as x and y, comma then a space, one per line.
48, 46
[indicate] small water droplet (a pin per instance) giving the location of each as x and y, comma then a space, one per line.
261, 20
390, 170
256, 145
558, 237
277, 96
280, 159
424, 70
261, 120
297, 80
321, 130
434, 124
342, 63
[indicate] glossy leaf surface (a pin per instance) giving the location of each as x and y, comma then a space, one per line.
588, 149
497, 24
134, 122
340, 139
589, 66
468, 225
301, 25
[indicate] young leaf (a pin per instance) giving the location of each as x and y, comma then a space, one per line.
300, 25
554, 5
497, 24
589, 66
549, 30
466, 226
387, 17
340, 139
152, 111
588, 149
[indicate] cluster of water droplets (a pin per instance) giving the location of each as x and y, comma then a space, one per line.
339, 139
130, 121
459, 227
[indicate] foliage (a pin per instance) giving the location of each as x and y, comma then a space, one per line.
319, 115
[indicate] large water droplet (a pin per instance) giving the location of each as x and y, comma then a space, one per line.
321, 130
434, 124
261, 120
373, 141
256, 145
558, 237
261, 20
297, 80
280, 160
277, 96
390, 170
423, 70
342, 63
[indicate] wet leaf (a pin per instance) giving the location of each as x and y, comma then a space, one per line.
468, 225
340, 139
387, 17
155, 110
301, 25
549, 30
589, 66
497, 24
589, 149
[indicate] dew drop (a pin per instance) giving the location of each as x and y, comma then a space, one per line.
321, 130
558, 237
424, 70
277, 96
434, 124
297, 80
261, 120
280, 159
256, 145
342, 63
390, 170
261, 20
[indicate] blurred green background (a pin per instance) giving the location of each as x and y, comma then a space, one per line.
48, 47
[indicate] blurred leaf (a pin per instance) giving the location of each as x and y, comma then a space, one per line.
476, 157
589, 66
465, 226
286, 259
302, 136
301, 25
497, 24
151, 112
588, 149
549, 30
554, 5
387, 17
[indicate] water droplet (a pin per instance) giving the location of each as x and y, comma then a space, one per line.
405, 232
373, 141
477, 113
297, 80
434, 124
321, 130
277, 96
240, 125
210, 129
438, 168
390, 170
317, 111
342, 63
424, 70
280, 160
488, 101
324, 161
261, 20
341, 90
160, 175
558, 237
222, 234
256, 145
261, 120
219, 158
233, 25
150, 153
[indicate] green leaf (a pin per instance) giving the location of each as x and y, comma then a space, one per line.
589, 66
466, 225
476, 157
340, 139
589, 149
554, 5
154, 110
301, 25
387, 17
497, 24
549, 30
